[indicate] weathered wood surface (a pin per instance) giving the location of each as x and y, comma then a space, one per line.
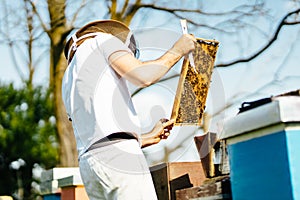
169, 177
205, 145
192, 90
212, 189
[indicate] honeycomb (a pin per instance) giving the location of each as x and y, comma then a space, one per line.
193, 86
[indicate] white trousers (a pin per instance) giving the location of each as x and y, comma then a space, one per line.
117, 172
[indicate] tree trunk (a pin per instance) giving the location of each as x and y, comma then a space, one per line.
57, 34
67, 150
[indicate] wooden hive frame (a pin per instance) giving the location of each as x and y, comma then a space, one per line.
192, 90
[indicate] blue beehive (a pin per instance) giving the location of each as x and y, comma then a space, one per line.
264, 151
51, 197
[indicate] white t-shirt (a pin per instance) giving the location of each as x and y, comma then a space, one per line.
96, 98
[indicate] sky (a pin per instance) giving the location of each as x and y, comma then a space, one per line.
254, 79
274, 72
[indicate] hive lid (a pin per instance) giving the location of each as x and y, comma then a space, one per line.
281, 109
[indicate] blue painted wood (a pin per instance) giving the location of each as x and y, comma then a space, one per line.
259, 167
51, 197
293, 145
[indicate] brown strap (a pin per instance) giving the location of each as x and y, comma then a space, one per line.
72, 53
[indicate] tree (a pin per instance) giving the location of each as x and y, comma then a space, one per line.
27, 132
39, 28
60, 17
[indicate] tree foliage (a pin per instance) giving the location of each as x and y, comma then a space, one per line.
27, 131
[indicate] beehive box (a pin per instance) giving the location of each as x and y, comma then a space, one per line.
263, 151
172, 176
